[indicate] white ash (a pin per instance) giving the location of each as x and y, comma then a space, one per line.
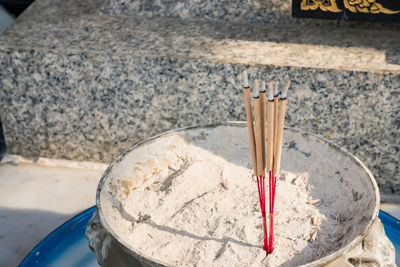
189, 199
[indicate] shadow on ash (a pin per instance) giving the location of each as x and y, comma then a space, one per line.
188, 198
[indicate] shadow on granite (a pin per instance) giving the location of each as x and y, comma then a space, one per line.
393, 56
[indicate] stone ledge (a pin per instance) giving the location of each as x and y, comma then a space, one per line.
86, 106
242, 11
327, 47
56, 163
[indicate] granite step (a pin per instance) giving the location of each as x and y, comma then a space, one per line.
326, 47
77, 83
236, 11
241, 11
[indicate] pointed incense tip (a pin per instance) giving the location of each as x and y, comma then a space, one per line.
285, 89
245, 79
263, 88
276, 91
270, 91
256, 88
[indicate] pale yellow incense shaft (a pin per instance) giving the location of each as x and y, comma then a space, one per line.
258, 133
281, 124
276, 104
263, 99
270, 128
279, 139
250, 127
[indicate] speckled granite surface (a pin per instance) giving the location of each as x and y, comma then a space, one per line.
318, 47
242, 11
86, 85
276, 12
93, 106
227, 10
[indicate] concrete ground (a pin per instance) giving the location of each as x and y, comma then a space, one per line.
37, 197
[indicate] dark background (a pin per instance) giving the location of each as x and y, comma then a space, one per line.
15, 7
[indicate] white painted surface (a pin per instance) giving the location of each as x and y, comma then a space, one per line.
36, 199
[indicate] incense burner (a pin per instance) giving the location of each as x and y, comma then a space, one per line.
187, 197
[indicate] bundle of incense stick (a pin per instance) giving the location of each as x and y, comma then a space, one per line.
266, 157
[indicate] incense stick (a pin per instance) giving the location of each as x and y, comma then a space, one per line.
270, 127
281, 123
258, 131
260, 159
270, 151
277, 159
266, 152
276, 104
263, 97
249, 117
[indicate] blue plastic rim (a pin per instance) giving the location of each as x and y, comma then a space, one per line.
68, 246
392, 230
65, 246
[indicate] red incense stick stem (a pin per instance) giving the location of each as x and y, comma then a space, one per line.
265, 234
261, 195
271, 232
271, 207
273, 195
271, 215
270, 191
273, 178
259, 191
264, 215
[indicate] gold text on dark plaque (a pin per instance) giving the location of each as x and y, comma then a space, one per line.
367, 6
324, 5
361, 6
348, 10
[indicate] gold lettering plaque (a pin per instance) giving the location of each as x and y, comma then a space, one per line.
367, 6
324, 5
